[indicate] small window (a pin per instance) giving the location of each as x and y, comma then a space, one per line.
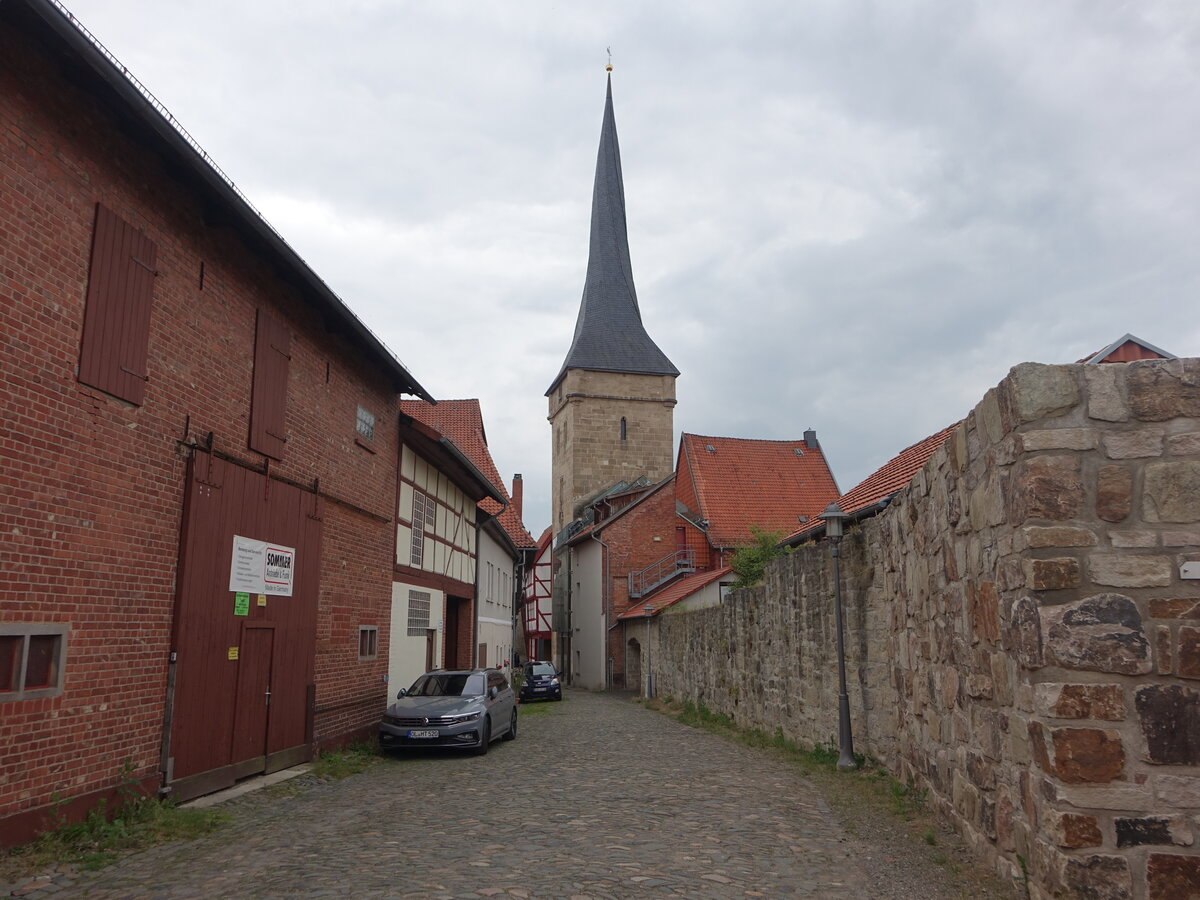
423, 519
366, 424
624, 428
368, 642
418, 613
32, 658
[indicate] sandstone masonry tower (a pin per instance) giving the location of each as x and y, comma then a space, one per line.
611, 403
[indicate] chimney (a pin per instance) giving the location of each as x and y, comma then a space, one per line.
810, 438
518, 495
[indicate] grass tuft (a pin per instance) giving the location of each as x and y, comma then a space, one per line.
334, 765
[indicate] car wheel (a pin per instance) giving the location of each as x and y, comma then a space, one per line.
485, 733
511, 734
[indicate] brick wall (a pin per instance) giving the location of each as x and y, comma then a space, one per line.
91, 487
1019, 637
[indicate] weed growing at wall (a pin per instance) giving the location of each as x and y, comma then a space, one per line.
750, 562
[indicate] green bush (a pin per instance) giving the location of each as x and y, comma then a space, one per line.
750, 562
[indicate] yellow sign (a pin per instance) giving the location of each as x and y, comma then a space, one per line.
262, 599
233, 652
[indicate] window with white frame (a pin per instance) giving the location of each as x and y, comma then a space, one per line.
32, 659
365, 424
424, 515
368, 642
418, 613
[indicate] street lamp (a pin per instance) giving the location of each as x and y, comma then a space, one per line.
649, 611
834, 517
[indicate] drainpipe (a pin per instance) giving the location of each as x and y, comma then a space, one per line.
605, 600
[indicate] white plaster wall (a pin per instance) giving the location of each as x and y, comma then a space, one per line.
494, 608
406, 655
588, 667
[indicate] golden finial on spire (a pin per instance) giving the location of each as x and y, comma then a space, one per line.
608, 68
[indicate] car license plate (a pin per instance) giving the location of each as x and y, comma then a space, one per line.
425, 733
539, 689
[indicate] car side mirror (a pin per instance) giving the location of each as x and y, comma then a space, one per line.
492, 692
558, 672
403, 693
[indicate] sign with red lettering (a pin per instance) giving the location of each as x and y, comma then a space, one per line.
259, 567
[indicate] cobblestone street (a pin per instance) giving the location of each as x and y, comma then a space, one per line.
597, 798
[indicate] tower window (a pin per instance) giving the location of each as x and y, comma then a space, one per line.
624, 428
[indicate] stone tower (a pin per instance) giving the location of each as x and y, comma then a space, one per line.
611, 403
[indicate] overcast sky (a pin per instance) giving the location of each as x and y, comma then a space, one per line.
850, 216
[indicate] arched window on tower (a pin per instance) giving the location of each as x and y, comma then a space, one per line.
623, 428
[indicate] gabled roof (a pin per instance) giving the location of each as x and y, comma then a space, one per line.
673, 593
594, 527
880, 485
609, 335
1127, 349
740, 482
121, 97
462, 422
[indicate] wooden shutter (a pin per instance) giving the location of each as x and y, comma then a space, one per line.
116, 323
268, 403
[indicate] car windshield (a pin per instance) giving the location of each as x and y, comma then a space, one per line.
451, 684
542, 669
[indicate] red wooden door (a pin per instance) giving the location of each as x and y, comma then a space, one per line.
223, 650
252, 703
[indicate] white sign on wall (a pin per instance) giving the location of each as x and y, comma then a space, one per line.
261, 568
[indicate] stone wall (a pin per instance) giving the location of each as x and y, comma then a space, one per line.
1020, 638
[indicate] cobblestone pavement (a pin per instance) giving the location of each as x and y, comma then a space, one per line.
597, 798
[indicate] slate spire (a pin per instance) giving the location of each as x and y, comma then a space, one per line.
609, 335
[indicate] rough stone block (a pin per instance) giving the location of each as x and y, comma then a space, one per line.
1073, 831
1098, 877
1134, 832
984, 610
1189, 539
1172, 877
988, 418
1134, 444
1106, 401
1023, 636
1123, 540
1180, 791
1061, 573
1114, 493
1039, 391
1169, 715
1041, 536
1059, 439
1129, 571
1087, 755
1119, 797
1184, 444
1081, 701
1047, 487
1180, 608
987, 506
1187, 652
1102, 633
1160, 391
1171, 492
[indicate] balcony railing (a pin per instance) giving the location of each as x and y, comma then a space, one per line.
655, 574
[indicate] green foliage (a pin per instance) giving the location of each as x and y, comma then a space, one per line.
137, 822
750, 562
338, 764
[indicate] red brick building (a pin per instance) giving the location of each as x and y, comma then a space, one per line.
198, 456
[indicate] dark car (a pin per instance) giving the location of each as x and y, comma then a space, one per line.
465, 709
542, 682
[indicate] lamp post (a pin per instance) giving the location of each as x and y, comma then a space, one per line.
834, 517
649, 611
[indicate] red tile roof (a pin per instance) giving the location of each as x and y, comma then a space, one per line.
462, 422
892, 476
673, 593
741, 482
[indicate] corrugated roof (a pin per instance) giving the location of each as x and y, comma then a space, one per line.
741, 482
673, 593
462, 422
609, 335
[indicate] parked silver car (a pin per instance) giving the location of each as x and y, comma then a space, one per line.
467, 709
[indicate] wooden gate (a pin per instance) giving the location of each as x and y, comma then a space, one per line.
241, 684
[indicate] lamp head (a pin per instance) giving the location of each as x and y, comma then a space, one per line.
834, 517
